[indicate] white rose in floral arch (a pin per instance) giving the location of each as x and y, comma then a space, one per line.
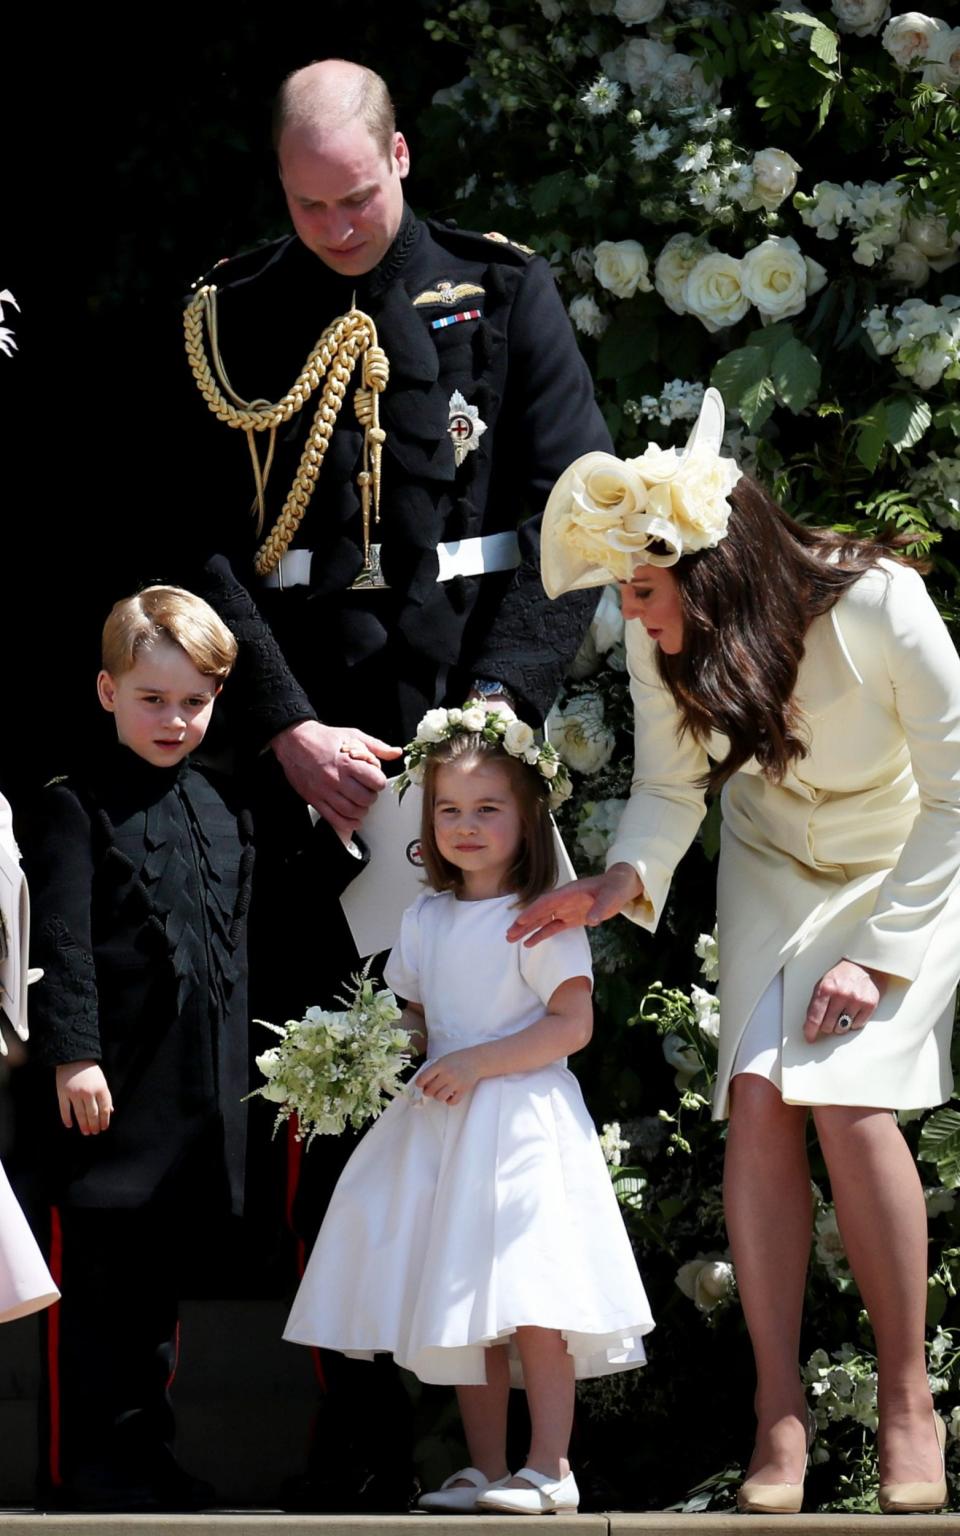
708, 1280
907, 266
606, 626
861, 17
943, 61
580, 735
621, 266
777, 278
635, 13
929, 234
587, 316
774, 178
674, 265
907, 38
713, 291
599, 820
643, 62
682, 83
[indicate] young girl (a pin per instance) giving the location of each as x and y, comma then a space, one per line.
474, 1234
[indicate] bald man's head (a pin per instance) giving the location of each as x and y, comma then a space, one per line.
342, 163
330, 94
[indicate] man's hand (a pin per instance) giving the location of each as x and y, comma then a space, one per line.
336, 769
581, 904
844, 999
82, 1091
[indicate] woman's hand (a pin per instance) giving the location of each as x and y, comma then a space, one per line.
847, 992
82, 1091
450, 1077
581, 904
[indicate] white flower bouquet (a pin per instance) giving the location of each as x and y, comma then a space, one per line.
336, 1068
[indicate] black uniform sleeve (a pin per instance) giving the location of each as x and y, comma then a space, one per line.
554, 418
58, 859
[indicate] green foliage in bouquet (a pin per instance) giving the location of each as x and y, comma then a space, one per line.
336, 1068
766, 198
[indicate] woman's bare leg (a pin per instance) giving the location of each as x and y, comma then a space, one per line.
767, 1200
883, 1221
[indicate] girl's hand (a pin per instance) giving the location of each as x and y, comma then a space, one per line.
82, 1089
581, 904
847, 991
450, 1077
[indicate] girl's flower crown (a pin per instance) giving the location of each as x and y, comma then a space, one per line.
496, 724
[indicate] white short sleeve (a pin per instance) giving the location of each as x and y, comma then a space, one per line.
402, 970
547, 966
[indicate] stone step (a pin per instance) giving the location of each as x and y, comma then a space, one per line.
268, 1523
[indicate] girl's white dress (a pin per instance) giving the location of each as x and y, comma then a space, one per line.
452, 1226
25, 1281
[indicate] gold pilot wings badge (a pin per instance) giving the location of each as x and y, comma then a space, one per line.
447, 293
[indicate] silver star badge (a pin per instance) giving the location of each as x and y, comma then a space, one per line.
465, 427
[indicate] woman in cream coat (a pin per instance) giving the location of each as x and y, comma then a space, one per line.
814, 680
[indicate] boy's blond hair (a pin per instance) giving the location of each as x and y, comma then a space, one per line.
167, 614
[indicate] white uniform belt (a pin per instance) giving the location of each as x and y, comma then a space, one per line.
461, 557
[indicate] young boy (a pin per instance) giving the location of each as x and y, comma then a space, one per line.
140, 874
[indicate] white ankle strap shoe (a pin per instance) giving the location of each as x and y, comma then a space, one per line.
546, 1496
459, 1501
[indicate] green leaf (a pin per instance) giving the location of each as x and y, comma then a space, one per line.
872, 437
710, 830
908, 417
757, 402
737, 371
796, 375
549, 194
940, 1144
948, 418
627, 343
799, 18
824, 43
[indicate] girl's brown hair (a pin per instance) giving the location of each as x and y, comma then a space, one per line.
535, 868
747, 604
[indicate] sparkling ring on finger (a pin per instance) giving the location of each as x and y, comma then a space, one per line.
844, 1022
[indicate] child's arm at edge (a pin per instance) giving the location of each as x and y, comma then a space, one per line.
566, 1027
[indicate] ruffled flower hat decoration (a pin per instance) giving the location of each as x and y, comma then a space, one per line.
493, 723
605, 516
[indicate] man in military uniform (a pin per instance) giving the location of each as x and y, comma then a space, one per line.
398, 463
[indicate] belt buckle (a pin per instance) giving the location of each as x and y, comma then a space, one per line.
371, 576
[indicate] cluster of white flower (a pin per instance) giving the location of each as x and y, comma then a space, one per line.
828, 1245
336, 1068
694, 278
604, 636
937, 488
677, 401
708, 1280
8, 344
598, 822
925, 43
587, 316
621, 266
845, 1390
579, 733
495, 723
602, 96
707, 951
612, 1144
662, 77
912, 243
862, 18
924, 339
706, 1009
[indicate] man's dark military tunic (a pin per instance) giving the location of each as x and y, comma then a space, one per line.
378, 659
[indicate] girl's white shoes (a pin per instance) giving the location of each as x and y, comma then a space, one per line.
547, 1496
459, 1501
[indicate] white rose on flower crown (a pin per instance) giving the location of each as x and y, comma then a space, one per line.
777, 278
907, 38
943, 60
708, 1280
674, 265
495, 723
587, 316
432, 725
621, 266
518, 738
774, 178
861, 17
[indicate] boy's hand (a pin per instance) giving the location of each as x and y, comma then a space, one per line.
82, 1090
450, 1077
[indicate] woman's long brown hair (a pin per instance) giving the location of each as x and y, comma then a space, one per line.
746, 606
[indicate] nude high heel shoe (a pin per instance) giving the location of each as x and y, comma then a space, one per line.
754, 1498
918, 1498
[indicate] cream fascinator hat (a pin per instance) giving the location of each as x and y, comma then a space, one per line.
605, 516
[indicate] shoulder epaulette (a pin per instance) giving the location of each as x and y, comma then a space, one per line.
247, 264
473, 245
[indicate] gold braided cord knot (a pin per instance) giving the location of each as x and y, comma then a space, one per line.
330, 365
